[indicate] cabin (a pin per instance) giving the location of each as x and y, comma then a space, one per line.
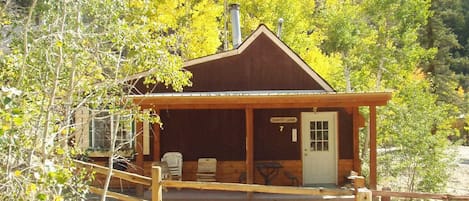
257, 105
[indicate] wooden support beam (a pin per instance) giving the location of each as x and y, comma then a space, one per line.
373, 154
356, 141
156, 140
249, 145
179, 101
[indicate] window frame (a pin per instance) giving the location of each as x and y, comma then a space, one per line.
109, 119
83, 134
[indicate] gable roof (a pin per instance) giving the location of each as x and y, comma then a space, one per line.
262, 29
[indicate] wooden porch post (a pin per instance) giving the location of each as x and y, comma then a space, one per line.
373, 154
139, 158
249, 145
156, 140
356, 141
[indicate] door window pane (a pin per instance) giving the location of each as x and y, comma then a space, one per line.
319, 125
319, 135
313, 146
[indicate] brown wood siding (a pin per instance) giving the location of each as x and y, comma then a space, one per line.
227, 171
230, 171
272, 144
345, 166
345, 134
221, 134
204, 133
262, 66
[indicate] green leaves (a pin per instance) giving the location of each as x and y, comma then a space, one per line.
414, 130
72, 54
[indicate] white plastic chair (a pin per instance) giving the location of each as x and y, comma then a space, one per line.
174, 161
206, 169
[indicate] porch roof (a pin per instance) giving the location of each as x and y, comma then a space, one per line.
261, 99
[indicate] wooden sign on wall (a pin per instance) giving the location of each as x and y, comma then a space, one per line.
277, 120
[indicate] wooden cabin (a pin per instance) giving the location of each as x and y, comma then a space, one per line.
258, 103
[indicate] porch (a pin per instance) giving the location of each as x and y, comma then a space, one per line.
211, 195
214, 195
245, 131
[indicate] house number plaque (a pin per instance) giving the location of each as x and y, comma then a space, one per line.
277, 120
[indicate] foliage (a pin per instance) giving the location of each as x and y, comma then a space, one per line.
449, 32
438, 35
23, 175
57, 56
416, 154
195, 24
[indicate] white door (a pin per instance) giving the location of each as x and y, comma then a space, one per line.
319, 130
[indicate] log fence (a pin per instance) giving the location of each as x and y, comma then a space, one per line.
155, 181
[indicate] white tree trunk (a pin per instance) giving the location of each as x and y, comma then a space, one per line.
114, 130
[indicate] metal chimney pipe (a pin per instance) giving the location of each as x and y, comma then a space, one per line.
234, 10
279, 27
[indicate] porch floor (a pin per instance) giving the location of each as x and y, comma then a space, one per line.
209, 195
213, 195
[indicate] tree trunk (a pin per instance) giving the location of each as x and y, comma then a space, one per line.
379, 73
111, 157
25, 40
348, 82
347, 73
366, 144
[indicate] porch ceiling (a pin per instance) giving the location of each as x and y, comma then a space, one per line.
260, 99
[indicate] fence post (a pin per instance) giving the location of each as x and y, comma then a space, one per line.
156, 188
363, 194
358, 182
386, 198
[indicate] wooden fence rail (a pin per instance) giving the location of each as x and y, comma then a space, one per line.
132, 177
420, 195
256, 188
135, 178
361, 194
100, 191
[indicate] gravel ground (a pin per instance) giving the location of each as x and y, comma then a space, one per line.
459, 181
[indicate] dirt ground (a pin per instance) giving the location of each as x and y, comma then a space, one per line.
459, 181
